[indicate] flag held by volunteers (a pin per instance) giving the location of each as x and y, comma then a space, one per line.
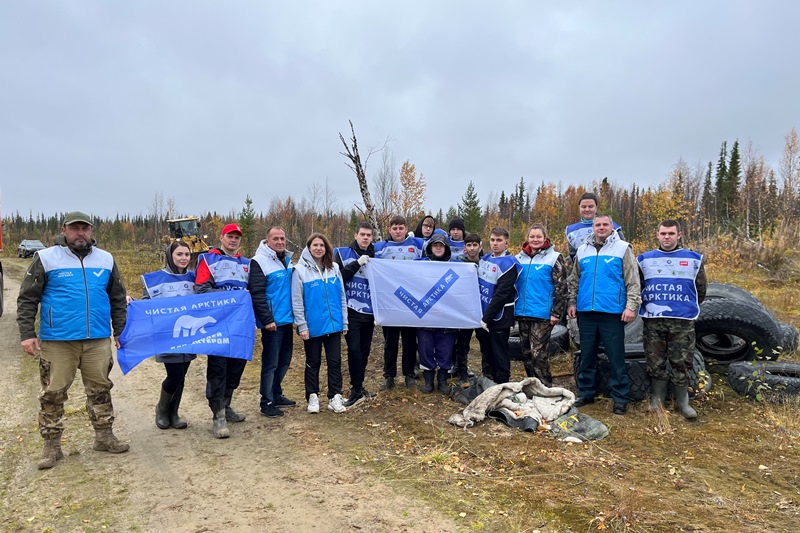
429, 294
217, 323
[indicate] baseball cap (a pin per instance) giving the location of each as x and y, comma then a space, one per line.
77, 216
232, 228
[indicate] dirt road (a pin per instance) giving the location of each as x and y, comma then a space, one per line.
271, 475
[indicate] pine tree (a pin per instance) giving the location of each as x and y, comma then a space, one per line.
470, 209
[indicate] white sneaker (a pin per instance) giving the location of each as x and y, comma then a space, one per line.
336, 404
313, 403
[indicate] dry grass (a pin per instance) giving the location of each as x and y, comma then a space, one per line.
735, 469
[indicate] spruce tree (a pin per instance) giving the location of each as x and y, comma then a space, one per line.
720, 184
708, 201
732, 181
247, 219
470, 209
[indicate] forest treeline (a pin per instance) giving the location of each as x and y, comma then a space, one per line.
736, 193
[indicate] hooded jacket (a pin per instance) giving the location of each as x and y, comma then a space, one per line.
81, 294
318, 299
270, 286
441, 239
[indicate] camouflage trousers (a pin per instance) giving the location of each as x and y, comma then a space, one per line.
58, 363
669, 339
534, 338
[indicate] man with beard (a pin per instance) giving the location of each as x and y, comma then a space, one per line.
82, 297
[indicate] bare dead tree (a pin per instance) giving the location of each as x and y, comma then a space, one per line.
351, 153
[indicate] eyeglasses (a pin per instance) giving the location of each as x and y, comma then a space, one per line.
427, 226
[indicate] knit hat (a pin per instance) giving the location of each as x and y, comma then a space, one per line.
457, 222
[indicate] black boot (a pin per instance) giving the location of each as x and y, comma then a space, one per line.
175, 420
230, 414
441, 377
388, 383
529, 368
162, 409
429, 376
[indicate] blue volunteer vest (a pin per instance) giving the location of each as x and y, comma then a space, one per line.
356, 289
578, 232
409, 249
669, 289
456, 248
75, 303
164, 284
490, 270
602, 285
322, 299
229, 272
278, 284
535, 285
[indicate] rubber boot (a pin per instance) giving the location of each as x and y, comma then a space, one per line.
51, 453
175, 420
230, 414
682, 402
529, 369
429, 376
220, 425
162, 409
105, 441
441, 378
658, 393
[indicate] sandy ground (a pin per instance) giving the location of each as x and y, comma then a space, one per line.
272, 474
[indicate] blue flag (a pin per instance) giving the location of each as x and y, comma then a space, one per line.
216, 323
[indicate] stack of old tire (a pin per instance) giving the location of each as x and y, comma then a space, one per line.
737, 334
733, 330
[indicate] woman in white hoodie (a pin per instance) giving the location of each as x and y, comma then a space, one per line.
320, 315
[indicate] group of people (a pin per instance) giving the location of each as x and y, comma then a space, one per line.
325, 295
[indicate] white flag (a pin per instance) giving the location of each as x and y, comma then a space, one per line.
430, 294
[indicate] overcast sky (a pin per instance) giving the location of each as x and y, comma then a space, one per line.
105, 104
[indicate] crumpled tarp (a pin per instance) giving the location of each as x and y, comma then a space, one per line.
526, 405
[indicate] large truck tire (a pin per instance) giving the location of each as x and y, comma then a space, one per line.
765, 380
730, 330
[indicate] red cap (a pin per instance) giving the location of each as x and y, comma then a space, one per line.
232, 228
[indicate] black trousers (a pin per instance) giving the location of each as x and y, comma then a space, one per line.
223, 373
176, 375
359, 344
333, 357
495, 355
391, 337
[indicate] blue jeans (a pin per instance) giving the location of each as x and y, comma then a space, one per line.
276, 356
